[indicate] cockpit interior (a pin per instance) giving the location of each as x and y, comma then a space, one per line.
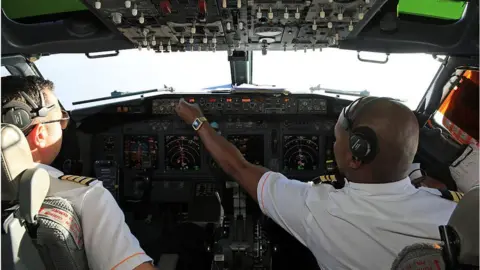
175, 197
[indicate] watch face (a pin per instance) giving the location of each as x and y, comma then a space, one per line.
196, 124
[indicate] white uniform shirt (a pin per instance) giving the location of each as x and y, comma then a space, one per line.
109, 244
362, 226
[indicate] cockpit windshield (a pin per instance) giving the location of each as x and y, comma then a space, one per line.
405, 77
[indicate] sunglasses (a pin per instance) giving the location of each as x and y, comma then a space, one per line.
63, 121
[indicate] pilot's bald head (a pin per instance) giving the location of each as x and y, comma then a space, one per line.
397, 133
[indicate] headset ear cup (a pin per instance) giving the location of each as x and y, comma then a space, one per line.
363, 144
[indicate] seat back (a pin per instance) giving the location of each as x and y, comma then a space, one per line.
459, 245
42, 232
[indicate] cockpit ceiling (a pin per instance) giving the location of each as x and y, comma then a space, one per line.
451, 27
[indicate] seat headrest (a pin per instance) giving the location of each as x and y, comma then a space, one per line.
464, 221
15, 157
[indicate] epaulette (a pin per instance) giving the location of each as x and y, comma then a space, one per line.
331, 179
451, 195
78, 179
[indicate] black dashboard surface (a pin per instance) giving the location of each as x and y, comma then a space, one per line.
292, 134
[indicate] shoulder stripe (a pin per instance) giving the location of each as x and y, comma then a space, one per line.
82, 180
451, 195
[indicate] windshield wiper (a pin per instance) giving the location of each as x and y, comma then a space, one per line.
363, 93
117, 94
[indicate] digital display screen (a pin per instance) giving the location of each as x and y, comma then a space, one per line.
140, 152
251, 146
182, 153
300, 153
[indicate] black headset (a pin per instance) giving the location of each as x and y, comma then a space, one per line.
22, 114
363, 142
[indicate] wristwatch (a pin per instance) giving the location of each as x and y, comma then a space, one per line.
198, 123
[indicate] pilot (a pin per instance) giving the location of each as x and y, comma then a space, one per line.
109, 244
378, 212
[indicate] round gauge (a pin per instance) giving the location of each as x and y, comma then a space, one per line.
300, 153
182, 153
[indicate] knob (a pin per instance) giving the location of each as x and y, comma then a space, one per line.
259, 13
98, 4
134, 10
350, 26
154, 42
239, 3
169, 47
224, 3
160, 47
148, 47
117, 18
190, 40
214, 40
193, 30
128, 3
270, 13
205, 39
367, 2
145, 42
240, 25
314, 25
297, 14
330, 25
141, 20
145, 32
182, 39
361, 15
285, 15
340, 16
229, 27
322, 13
139, 46
330, 1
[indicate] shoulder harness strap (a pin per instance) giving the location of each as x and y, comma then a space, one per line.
86, 181
451, 195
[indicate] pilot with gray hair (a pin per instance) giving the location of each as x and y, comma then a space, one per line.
377, 213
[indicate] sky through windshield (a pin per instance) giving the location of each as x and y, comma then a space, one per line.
405, 76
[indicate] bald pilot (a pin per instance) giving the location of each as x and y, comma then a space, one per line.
368, 222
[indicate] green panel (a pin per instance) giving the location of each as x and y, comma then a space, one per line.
440, 9
29, 8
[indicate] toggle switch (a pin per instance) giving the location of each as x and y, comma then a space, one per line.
270, 13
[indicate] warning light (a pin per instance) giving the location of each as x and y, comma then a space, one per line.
286, 100
229, 100
191, 100
245, 100
212, 100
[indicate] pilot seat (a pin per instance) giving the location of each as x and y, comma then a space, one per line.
459, 246
39, 231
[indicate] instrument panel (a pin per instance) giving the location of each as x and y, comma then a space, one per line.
301, 153
140, 152
156, 150
182, 153
246, 104
251, 147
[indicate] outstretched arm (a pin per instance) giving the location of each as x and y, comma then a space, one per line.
225, 153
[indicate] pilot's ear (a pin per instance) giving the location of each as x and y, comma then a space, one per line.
38, 136
354, 163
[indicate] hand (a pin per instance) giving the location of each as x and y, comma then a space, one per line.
188, 112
